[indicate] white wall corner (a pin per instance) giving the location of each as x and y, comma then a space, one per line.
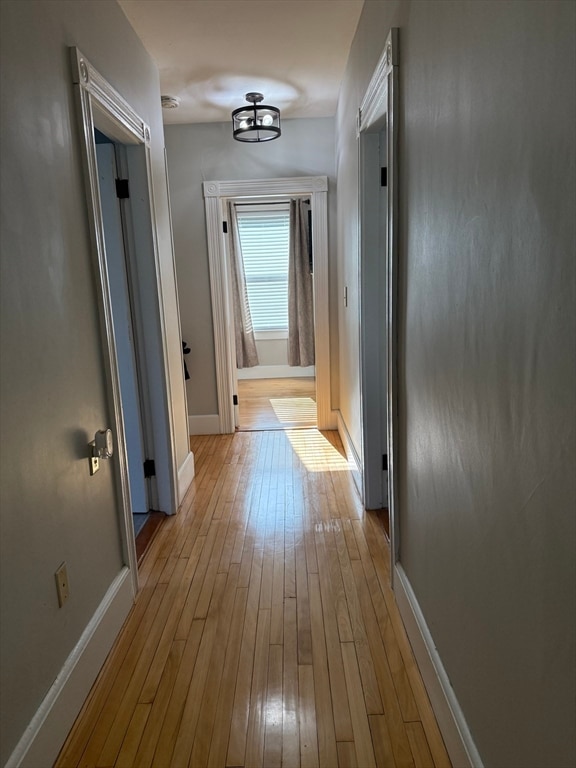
354, 463
43, 738
204, 425
449, 715
185, 476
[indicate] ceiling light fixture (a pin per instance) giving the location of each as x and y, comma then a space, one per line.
257, 122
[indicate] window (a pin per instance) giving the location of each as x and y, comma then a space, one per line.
264, 232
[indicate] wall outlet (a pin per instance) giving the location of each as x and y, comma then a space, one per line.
62, 587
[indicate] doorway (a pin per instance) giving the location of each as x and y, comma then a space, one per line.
268, 249
217, 194
378, 145
123, 321
100, 107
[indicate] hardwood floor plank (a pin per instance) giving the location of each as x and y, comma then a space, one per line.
307, 715
347, 755
223, 715
257, 715
327, 750
419, 746
206, 715
191, 713
400, 745
381, 741
171, 723
147, 746
290, 723
274, 709
241, 709
360, 725
342, 720
303, 605
133, 736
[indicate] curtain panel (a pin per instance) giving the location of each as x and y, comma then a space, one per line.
300, 289
246, 353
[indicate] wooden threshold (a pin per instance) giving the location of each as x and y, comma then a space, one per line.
146, 536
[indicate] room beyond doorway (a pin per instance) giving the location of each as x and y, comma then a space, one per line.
284, 403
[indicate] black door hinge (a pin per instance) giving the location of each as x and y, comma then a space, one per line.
225, 227
384, 177
149, 468
122, 189
385, 462
235, 399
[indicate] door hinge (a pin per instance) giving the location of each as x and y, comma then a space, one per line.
235, 399
385, 462
122, 189
149, 468
225, 227
384, 177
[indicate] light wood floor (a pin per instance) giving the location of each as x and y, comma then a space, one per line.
265, 632
276, 403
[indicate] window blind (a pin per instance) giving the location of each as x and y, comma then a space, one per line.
264, 238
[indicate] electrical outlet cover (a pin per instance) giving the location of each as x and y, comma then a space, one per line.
62, 588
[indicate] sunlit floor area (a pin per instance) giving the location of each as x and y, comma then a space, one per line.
265, 632
276, 403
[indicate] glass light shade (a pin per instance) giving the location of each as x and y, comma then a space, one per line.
257, 122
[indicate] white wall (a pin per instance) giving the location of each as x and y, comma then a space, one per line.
205, 152
487, 339
53, 388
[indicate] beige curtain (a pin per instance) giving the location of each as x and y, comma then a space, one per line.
300, 289
246, 353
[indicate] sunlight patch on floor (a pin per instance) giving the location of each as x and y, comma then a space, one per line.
290, 409
316, 452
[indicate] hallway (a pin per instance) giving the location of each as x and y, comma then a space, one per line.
265, 632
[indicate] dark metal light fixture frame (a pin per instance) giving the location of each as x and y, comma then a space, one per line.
256, 122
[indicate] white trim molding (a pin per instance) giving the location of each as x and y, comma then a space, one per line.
43, 738
185, 476
204, 425
451, 721
216, 194
354, 461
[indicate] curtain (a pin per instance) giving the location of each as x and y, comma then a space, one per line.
246, 354
300, 293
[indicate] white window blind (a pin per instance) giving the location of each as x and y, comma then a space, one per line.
264, 237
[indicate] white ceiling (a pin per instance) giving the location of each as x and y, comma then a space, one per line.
212, 52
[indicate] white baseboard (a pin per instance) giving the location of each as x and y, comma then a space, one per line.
275, 372
204, 425
354, 463
450, 718
43, 738
185, 476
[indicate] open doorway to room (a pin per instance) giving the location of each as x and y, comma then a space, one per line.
117, 220
377, 135
269, 248
274, 409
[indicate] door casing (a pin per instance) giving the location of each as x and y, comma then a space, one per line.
378, 116
216, 195
100, 106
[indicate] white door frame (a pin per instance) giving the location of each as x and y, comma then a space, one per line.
216, 194
100, 106
378, 112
